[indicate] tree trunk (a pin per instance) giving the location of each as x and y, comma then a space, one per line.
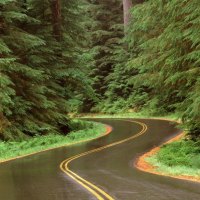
3, 124
56, 19
127, 4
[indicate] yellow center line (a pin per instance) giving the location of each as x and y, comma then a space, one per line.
86, 184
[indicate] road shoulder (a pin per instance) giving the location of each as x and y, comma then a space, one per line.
143, 164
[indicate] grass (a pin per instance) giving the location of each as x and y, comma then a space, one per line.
84, 131
129, 115
178, 158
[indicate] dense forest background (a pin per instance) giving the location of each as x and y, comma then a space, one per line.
59, 57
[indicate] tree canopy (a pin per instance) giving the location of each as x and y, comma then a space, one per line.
58, 57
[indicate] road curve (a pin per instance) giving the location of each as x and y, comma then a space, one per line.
104, 166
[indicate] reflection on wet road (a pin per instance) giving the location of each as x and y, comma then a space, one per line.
39, 177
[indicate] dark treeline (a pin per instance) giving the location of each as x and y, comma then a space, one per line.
58, 57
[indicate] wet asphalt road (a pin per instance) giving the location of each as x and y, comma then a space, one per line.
39, 177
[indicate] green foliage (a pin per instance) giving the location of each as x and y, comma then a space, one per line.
158, 63
177, 158
82, 130
40, 74
52, 65
184, 153
167, 58
107, 32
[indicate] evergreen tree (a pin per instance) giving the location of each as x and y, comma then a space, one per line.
40, 65
157, 67
165, 35
119, 93
106, 35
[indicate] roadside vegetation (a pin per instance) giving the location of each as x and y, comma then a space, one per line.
178, 158
82, 130
143, 114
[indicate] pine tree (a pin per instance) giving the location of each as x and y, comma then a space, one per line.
119, 93
157, 68
41, 65
106, 35
165, 35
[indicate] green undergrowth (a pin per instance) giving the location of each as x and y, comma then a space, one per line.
178, 158
84, 130
173, 116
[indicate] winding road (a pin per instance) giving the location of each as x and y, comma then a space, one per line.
100, 169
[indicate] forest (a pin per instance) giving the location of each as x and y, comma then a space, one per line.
65, 60
62, 57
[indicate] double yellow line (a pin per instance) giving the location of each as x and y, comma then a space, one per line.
97, 192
